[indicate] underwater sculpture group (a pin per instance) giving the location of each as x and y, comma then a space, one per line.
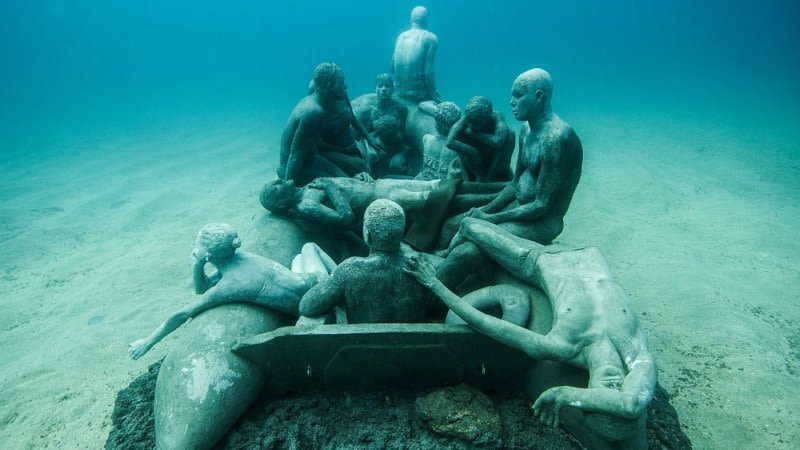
419, 206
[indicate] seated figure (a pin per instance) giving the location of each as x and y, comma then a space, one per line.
533, 204
318, 140
373, 289
384, 117
594, 324
240, 277
412, 60
483, 141
437, 158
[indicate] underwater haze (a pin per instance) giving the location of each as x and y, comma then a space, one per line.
127, 126
75, 63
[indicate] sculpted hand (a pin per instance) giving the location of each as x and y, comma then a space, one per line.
548, 406
478, 213
377, 145
421, 270
364, 176
138, 348
316, 183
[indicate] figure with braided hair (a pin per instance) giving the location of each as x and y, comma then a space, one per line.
318, 140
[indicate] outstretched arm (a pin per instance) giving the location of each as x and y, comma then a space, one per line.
209, 300
536, 345
462, 148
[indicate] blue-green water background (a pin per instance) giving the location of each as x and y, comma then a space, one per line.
78, 66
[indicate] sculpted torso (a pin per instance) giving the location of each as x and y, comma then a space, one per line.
549, 166
411, 63
247, 275
595, 321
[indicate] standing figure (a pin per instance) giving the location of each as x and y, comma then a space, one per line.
534, 203
318, 140
483, 141
412, 61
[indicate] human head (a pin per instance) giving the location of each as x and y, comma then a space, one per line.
278, 195
531, 94
216, 242
479, 111
329, 80
384, 223
419, 17
384, 86
388, 128
445, 116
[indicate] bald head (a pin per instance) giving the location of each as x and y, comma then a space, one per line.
384, 223
419, 16
535, 80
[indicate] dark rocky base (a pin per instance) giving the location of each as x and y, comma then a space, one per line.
379, 420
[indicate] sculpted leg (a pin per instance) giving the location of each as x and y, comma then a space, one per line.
511, 252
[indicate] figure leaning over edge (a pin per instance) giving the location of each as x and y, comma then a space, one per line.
241, 277
594, 324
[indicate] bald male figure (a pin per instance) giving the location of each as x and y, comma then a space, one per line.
534, 203
412, 61
374, 289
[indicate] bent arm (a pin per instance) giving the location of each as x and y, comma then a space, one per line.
498, 138
324, 296
503, 199
340, 215
201, 282
628, 402
305, 139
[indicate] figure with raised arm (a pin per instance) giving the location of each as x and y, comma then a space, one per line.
318, 139
412, 61
483, 141
240, 277
595, 325
533, 204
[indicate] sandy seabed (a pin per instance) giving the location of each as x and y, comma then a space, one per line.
697, 220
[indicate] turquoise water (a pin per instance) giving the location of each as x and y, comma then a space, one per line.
86, 62
689, 113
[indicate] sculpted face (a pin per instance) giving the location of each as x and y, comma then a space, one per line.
384, 89
524, 102
338, 87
